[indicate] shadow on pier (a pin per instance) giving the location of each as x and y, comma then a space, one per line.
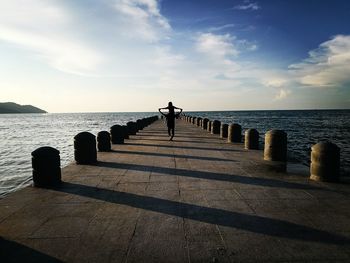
11, 251
203, 158
252, 223
258, 181
182, 147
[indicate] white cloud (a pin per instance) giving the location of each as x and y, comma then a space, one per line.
43, 28
220, 28
121, 37
279, 85
247, 5
282, 94
326, 66
145, 18
216, 45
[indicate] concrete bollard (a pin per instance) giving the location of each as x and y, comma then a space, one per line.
132, 128
205, 124
325, 162
251, 141
117, 134
139, 125
234, 133
223, 130
275, 146
104, 141
125, 131
198, 123
85, 148
46, 166
209, 126
215, 128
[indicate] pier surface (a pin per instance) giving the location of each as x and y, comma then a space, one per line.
194, 199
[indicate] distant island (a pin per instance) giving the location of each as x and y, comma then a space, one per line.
11, 107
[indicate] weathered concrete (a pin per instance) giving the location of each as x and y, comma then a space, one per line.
194, 199
325, 162
223, 130
234, 133
117, 133
205, 124
215, 127
104, 141
275, 146
46, 166
85, 148
251, 139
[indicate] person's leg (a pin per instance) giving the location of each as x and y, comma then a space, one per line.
169, 129
172, 134
171, 126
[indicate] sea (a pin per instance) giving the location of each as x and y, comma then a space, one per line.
23, 133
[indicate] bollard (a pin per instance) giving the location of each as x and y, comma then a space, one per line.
104, 141
251, 141
209, 126
125, 131
194, 120
275, 146
325, 162
205, 124
234, 133
215, 127
223, 130
117, 134
132, 128
46, 166
198, 123
85, 148
139, 125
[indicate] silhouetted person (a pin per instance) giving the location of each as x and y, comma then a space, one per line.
170, 118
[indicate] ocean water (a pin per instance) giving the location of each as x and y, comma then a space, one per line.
304, 128
23, 133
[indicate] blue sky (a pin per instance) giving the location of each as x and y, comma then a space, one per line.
136, 55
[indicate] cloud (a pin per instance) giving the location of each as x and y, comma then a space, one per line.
220, 28
282, 94
247, 5
42, 28
145, 18
216, 45
60, 35
279, 85
326, 66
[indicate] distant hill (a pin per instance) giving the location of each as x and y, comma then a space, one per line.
11, 107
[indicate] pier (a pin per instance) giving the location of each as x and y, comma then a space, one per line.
197, 198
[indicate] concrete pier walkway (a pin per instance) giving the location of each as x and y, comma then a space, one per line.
194, 199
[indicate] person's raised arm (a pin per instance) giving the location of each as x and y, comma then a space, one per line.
160, 110
178, 109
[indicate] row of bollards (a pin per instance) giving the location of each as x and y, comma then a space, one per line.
46, 160
325, 156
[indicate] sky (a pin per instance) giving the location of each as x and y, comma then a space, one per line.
136, 55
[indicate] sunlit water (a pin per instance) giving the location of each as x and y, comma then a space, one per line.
22, 133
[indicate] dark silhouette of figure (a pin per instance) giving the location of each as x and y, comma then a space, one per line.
170, 118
